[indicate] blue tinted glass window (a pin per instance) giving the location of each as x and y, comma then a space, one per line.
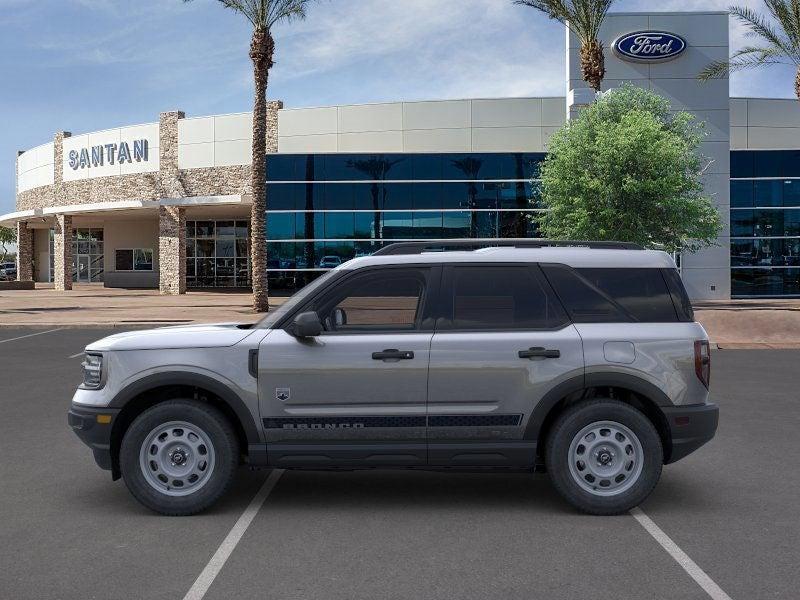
339, 196
767, 223
398, 226
282, 196
426, 166
742, 164
456, 224
365, 225
309, 225
396, 196
339, 225
791, 192
453, 195
514, 195
741, 194
790, 165
514, 224
427, 224
280, 226
424, 195
464, 166
281, 167
742, 223
768, 163
526, 166
366, 196
768, 193
791, 222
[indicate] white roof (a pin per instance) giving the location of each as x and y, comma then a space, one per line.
577, 257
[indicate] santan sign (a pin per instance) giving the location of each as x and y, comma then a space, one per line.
97, 156
649, 46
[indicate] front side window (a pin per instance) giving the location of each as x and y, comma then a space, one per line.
499, 298
386, 300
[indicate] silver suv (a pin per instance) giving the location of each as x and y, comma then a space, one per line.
579, 359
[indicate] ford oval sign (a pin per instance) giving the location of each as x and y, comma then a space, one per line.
649, 46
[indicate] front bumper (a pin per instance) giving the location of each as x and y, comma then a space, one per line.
690, 427
90, 425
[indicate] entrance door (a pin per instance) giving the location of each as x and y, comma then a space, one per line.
83, 268
357, 392
503, 341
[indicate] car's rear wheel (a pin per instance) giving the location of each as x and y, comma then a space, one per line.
179, 457
604, 456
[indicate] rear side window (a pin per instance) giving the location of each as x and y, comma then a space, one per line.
680, 299
641, 292
499, 298
585, 302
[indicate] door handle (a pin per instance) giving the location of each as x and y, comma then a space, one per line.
393, 353
539, 352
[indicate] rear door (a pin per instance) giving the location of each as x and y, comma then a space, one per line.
355, 394
502, 342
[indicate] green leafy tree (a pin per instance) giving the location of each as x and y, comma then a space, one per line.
778, 36
263, 15
627, 169
8, 236
584, 19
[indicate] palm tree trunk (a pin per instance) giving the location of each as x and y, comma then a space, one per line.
261, 52
797, 84
593, 64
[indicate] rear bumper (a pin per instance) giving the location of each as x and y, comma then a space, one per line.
690, 427
96, 435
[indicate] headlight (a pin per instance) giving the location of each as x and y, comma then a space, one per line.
92, 371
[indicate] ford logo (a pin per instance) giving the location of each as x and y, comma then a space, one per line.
649, 46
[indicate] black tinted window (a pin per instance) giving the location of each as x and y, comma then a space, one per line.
499, 297
641, 292
680, 299
585, 302
386, 300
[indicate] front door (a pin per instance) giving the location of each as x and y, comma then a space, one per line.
356, 393
83, 268
502, 342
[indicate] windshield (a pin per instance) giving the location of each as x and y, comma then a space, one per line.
275, 315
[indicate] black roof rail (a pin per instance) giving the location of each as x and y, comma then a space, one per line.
447, 245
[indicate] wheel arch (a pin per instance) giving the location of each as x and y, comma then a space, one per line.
630, 389
159, 387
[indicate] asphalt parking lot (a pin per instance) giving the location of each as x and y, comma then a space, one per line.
68, 531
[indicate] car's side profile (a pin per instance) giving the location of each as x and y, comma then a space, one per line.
582, 361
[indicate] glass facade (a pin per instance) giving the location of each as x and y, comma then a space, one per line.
217, 254
324, 209
765, 223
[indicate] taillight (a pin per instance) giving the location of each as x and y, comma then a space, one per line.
702, 361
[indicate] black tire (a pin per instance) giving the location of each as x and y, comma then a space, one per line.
557, 458
225, 450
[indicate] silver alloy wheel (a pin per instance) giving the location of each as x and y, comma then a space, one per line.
177, 458
605, 458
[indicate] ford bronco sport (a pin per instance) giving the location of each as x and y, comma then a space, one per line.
579, 359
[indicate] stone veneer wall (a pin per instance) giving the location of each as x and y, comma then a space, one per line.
62, 251
171, 250
24, 252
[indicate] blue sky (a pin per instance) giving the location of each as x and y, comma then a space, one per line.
84, 65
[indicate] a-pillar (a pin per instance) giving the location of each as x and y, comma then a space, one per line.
24, 252
171, 250
62, 253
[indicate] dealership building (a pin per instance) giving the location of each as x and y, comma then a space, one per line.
167, 204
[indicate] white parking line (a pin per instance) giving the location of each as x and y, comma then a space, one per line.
695, 572
77, 354
214, 566
30, 335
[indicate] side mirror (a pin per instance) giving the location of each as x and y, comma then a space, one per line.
306, 325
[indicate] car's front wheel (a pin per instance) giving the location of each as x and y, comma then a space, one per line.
179, 457
604, 456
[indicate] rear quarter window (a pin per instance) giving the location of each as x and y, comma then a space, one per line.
613, 295
641, 292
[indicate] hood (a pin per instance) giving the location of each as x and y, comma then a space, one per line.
213, 335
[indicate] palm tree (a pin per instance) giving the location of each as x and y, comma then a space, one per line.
262, 15
780, 41
584, 19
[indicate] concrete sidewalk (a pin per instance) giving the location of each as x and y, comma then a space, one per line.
732, 324
92, 305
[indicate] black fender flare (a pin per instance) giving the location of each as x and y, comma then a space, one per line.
219, 389
582, 382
